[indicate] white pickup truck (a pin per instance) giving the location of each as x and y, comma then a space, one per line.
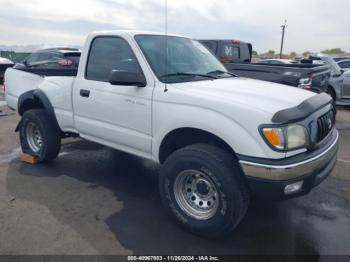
219, 138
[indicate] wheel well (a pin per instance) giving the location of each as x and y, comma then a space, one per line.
183, 137
29, 104
36, 100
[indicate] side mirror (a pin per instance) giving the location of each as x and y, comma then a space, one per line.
126, 78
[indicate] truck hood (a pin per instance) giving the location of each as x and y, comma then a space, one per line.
265, 96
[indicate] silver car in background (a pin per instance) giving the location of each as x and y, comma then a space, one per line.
339, 83
344, 64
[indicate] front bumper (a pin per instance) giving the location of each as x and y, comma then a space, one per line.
268, 178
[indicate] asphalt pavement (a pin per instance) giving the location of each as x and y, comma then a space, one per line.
95, 200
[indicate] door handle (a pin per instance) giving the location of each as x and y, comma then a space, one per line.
84, 93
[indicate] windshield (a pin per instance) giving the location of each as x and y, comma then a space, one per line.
178, 59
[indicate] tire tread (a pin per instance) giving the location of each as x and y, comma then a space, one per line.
51, 135
230, 164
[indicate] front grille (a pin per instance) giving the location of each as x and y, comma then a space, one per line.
325, 124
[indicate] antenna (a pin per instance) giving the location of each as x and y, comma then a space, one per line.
166, 42
283, 33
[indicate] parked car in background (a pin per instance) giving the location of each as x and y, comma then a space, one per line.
51, 58
344, 64
339, 58
4, 64
230, 137
277, 61
339, 83
230, 51
237, 57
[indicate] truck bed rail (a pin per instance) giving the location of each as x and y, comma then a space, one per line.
50, 72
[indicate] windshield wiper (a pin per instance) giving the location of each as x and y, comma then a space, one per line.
220, 72
189, 74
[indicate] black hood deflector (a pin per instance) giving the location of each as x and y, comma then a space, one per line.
303, 110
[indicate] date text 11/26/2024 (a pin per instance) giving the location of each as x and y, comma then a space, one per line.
173, 258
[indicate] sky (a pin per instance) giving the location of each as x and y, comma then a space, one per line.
313, 25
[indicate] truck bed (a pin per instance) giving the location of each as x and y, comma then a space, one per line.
19, 81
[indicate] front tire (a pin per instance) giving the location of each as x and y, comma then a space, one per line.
203, 187
39, 135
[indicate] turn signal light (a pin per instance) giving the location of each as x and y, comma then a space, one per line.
275, 137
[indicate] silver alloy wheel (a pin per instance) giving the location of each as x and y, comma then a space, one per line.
34, 138
196, 194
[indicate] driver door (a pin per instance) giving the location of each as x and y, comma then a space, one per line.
114, 115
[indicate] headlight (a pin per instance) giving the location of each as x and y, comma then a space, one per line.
297, 137
286, 138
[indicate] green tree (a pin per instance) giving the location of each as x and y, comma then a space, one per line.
255, 53
306, 54
334, 51
271, 54
292, 55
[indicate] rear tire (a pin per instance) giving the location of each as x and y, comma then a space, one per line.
203, 187
39, 135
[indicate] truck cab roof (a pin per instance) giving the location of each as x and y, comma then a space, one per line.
131, 33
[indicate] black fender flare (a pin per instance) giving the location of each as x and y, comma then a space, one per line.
22, 99
37, 96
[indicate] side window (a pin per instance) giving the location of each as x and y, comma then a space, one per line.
345, 65
33, 58
236, 52
231, 52
107, 54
